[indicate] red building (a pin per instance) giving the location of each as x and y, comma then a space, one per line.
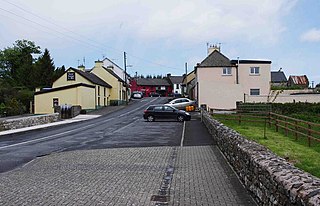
150, 85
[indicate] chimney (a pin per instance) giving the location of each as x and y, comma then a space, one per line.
213, 48
82, 68
98, 63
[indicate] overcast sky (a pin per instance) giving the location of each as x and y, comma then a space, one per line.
160, 36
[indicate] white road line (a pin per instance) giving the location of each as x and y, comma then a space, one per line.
44, 138
136, 109
182, 138
55, 135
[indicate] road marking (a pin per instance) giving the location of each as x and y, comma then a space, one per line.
124, 114
182, 138
44, 138
55, 135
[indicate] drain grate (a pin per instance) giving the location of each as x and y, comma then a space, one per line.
160, 198
163, 197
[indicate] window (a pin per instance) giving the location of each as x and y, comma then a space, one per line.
98, 90
254, 91
226, 71
99, 101
104, 91
168, 109
71, 76
157, 108
177, 86
55, 102
254, 70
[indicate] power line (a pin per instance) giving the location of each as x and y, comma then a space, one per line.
75, 39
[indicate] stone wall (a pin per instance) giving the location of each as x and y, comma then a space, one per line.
271, 179
8, 124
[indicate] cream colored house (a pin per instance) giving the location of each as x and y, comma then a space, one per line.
74, 87
221, 83
188, 84
118, 91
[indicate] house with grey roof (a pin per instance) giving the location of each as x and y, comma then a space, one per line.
221, 82
150, 86
278, 78
176, 82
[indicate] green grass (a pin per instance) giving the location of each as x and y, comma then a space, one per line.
295, 151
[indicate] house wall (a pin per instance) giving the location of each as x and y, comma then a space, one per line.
114, 92
175, 90
217, 90
117, 70
62, 81
260, 81
83, 96
220, 91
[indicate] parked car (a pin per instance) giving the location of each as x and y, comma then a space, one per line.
181, 103
162, 111
154, 94
137, 95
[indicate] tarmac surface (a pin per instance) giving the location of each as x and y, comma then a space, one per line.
190, 174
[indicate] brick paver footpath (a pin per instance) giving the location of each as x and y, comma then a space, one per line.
127, 176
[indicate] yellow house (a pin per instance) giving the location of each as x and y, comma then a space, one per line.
118, 91
188, 84
74, 87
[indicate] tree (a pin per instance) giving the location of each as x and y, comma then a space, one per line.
43, 71
58, 72
16, 62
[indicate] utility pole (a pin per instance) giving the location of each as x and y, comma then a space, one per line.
125, 75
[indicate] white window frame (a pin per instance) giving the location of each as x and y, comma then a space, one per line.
254, 70
227, 71
254, 92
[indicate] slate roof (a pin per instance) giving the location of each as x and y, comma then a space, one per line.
113, 74
152, 82
63, 88
92, 78
278, 77
216, 59
176, 79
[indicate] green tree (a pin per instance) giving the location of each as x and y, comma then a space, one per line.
16, 63
43, 71
58, 72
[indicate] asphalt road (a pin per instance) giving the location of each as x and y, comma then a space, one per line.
123, 128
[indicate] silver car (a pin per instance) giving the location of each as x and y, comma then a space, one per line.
181, 103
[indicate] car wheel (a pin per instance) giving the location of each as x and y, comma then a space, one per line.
150, 118
180, 118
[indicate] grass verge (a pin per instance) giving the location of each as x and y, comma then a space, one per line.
295, 151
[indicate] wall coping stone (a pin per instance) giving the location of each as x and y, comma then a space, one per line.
271, 179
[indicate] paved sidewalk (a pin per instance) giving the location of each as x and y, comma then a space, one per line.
126, 176
81, 117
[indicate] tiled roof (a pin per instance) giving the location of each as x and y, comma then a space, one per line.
92, 78
216, 59
299, 80
64, 87
152, 82
278, 77
176, 79
113, 74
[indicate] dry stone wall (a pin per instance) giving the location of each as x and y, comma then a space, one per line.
8, 124
271, 179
